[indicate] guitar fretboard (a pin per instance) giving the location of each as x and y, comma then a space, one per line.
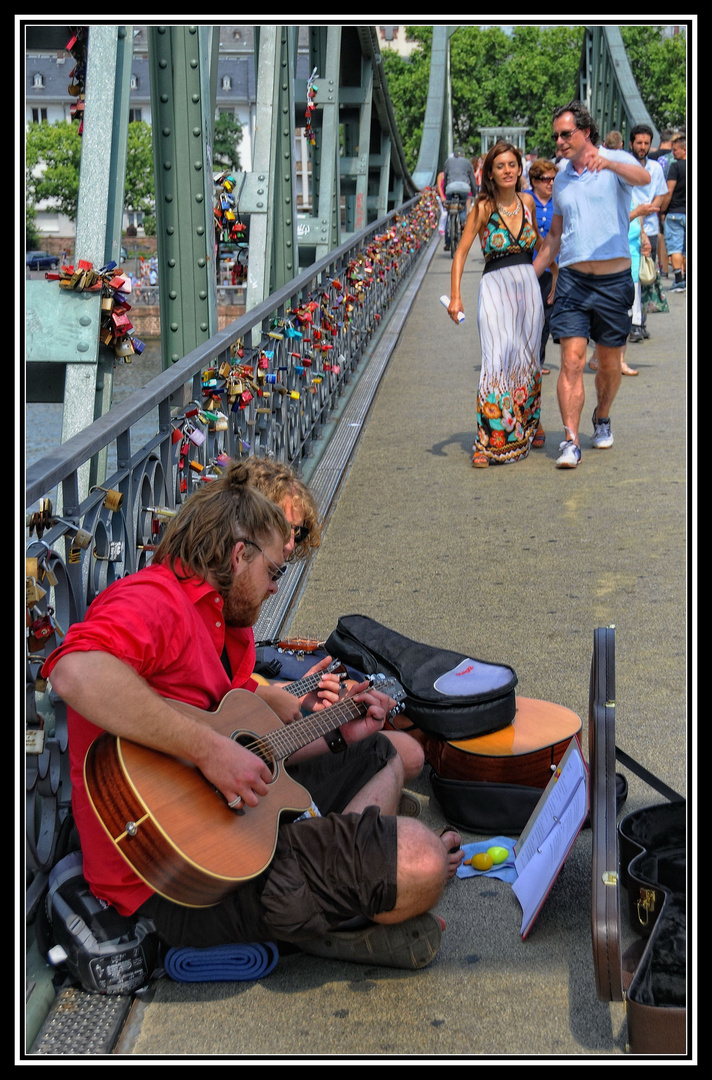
279, 744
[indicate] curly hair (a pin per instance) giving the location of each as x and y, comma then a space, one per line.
200, 539
279, 483
582, 119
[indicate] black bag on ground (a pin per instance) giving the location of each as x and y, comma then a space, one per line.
106, 952
485, 807
425, 672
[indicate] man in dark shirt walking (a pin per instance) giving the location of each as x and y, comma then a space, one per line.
674, 206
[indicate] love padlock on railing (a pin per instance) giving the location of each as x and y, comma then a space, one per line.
33, 592
113, 498
40, 519
80, 538
114, 552
196, 437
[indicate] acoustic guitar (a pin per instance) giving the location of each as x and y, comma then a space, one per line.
523, 752
175, 829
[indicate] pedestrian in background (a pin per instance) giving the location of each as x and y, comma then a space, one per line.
509, 313
542, 174
595, 291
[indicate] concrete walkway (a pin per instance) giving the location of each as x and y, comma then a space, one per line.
517, 564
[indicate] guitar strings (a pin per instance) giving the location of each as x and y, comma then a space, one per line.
280, 743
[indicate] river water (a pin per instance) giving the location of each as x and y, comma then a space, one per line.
43, 420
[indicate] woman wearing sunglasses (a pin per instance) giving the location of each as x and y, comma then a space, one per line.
541, 177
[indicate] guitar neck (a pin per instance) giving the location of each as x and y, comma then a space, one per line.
305, 684
287, 740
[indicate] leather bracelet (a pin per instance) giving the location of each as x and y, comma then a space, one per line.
335, 742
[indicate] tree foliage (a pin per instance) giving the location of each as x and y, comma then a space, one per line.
228, 132
518, 79
140, 195
52, 156
52, 164
659, 66
408, 89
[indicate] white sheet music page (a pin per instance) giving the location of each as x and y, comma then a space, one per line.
550, 833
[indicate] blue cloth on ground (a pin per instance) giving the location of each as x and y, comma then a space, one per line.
222, 963
505, 870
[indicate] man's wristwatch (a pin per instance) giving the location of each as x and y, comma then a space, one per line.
335, 741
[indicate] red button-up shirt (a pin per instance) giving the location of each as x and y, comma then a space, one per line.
172, 632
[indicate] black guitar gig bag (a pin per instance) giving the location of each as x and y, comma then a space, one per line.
450, 695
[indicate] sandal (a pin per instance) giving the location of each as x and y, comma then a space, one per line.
546, 371
480, 460
444, 832
410, 945
539, 438
593, 363
408, 806
625, 370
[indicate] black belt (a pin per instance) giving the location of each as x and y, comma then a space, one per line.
508, 258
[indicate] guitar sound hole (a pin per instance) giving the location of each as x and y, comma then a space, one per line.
247, 739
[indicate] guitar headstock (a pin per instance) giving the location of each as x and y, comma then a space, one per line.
299, 645
386, 684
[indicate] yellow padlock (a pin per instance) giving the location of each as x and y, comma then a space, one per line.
113, 498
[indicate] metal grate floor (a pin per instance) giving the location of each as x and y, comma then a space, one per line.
82, 1023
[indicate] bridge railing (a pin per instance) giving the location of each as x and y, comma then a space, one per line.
265, 386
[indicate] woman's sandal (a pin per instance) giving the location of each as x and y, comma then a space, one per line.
480, 460
539, 438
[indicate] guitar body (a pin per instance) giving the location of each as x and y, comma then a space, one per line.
521, 753
187, 844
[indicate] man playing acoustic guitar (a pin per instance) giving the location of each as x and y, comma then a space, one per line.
178, 633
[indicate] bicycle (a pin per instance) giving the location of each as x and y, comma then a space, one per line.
454, 209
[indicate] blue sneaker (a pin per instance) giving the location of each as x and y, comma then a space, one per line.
677, 286
570, 455
602, 434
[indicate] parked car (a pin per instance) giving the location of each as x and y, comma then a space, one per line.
41, 260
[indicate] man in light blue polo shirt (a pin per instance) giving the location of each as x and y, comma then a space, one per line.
595, 291
646, 202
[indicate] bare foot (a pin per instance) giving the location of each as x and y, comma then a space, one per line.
451, 839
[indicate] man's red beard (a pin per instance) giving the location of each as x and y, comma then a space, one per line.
243, 604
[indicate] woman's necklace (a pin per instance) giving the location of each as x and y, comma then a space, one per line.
508, 213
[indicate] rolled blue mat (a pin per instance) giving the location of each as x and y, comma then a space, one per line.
222, 963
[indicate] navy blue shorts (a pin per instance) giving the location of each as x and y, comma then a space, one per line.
592, 306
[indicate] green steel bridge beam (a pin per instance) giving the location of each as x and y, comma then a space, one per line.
183, 66
436, 144
269, 193
607, 86
66, 360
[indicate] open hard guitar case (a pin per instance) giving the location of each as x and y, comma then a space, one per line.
646, 855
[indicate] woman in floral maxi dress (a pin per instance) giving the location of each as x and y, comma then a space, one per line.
510, 315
